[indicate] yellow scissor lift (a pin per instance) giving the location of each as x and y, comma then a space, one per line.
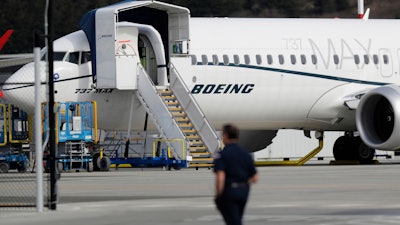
14, 135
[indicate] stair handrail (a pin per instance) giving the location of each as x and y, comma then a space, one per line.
145, 85
196, 115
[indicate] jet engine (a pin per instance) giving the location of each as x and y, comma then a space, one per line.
378, 118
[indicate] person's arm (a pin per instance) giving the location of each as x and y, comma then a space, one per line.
253, 179
219, 183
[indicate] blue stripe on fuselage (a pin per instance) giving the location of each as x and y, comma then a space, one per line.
294, 72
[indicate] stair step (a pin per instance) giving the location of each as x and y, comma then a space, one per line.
185, 125
172, 103
194, 143
201, 165
190, 131
200, 154
177, 112
175, 107
197, 148
194, 136
168, 97
165, 92
202, 160
182, 119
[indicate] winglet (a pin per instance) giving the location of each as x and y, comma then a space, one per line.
4, 38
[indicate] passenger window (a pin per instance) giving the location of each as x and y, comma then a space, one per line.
86, 57
226, 59
236, 59
293, 59
303, 59
269, 59
215, 59
281, 59
336, 59
73, 57
204, 59
376, 59
356, 59
314, 59
385, 59
194, 59
366, 59
247, 59
258, 59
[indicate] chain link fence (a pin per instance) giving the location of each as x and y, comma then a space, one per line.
18, 178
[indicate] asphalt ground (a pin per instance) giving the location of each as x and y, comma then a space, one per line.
312, 194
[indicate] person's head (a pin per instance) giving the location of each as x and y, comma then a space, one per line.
230, 134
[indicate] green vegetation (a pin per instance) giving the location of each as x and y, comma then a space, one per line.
25, 16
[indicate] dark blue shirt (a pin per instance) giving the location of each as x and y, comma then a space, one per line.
236, 162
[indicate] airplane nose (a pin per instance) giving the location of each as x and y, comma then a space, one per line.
19, 90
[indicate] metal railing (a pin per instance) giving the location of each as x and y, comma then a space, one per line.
158, 111
193, 110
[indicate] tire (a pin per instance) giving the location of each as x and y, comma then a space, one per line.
105, 164
364, 153
90, 167
21, 167
60, 167
341, 148
96, 162
4, 167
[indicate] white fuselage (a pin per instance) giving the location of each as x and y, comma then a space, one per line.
258, 73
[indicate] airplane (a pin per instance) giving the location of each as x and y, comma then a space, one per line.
262, 74
5, 37
14, 59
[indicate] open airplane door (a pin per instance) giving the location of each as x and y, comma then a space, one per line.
112, 68
126, 57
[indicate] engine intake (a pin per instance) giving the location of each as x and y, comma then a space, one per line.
378, 118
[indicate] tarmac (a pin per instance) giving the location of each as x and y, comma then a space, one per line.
312, 194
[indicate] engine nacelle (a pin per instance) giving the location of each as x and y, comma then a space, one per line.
378, 118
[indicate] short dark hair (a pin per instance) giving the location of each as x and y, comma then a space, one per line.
231, 131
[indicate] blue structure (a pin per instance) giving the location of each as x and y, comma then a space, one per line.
76, 132
14, 134
10, 161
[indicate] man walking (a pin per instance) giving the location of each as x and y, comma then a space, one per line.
235, 171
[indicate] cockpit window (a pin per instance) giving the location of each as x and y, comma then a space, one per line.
86, 57
58, 56
72, 57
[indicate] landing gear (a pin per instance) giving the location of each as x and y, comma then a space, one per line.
349, 147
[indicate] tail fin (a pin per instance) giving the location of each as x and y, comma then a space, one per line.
4, 38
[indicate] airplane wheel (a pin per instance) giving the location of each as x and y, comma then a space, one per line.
364, 153
342, 148
4, 167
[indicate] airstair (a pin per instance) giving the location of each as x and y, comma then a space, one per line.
178, 116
